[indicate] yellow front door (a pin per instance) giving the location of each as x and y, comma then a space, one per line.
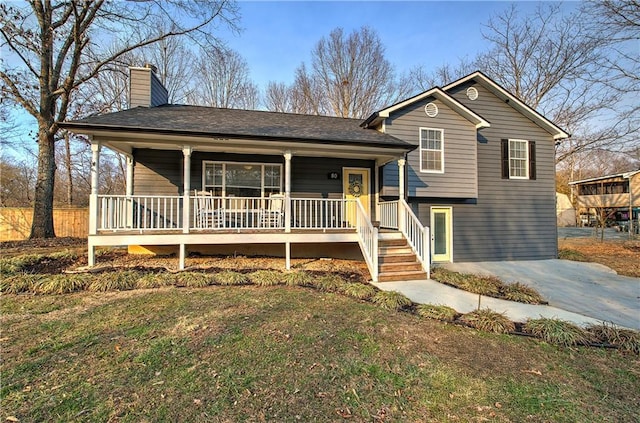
355, 185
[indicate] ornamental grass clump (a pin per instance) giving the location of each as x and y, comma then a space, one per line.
156, 280
438, 312
329, 283
298, 278
266, 277
556, 331
522, 293
358, 290
489, 321
484, 285
19, 284
61, 284
624, 339
122, 280
391, 300
193, 279
13, 265
229, 278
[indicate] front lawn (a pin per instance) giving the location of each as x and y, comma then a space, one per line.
285, 353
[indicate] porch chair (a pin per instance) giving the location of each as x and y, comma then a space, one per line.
273, 215
208, 215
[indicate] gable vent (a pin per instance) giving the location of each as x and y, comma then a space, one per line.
472, 93
431, 110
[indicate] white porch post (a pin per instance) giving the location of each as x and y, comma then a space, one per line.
376, 196
186, 187
186, 202
129, 190
401, 194
287, 191
93, 199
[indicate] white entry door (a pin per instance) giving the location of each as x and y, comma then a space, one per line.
441, 234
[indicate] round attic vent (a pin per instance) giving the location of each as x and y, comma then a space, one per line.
472, 93
431, 110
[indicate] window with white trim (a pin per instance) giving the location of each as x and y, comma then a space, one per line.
431, 150
241, 179
518, 159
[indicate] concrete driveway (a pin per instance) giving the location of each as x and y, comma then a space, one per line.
589, 289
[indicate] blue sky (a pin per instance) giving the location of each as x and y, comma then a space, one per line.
278, 36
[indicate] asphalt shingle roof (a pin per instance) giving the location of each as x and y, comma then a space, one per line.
210, 121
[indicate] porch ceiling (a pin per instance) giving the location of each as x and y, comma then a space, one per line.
125, 142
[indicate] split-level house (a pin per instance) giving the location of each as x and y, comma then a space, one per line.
463, 172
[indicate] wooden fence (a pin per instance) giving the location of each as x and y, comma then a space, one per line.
15, 222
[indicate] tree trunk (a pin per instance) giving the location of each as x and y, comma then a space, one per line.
42, 226
67, 147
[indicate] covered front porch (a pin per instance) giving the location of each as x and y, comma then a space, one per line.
187, 190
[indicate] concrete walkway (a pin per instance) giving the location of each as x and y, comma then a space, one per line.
582, 293
432, 292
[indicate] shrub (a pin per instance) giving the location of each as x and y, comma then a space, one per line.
522, 293
556, 331
298, 278
329, 283
13, 265
266, 277
489, 321
122, 280
439, 312
625, 339
156, 280
569, 254
229, 277
485, 285
360, 291
60, 284
18, 284
391, 300
193, 279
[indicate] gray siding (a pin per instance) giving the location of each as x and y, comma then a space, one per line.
513, 218
159, 94
159, 172
459, 179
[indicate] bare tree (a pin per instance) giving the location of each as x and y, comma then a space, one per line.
222, 78
348, 77
55, 46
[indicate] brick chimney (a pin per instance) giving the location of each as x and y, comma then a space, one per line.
145, 88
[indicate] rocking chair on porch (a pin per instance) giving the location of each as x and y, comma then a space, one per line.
209, 214
273, 215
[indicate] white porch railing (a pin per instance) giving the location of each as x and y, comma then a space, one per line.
388, 214
314, 213
149, 213
139, 212
417, 235
368, 239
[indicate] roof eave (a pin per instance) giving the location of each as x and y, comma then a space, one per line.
91, 129
557, 132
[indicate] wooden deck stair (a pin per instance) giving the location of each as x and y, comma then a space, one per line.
396, 259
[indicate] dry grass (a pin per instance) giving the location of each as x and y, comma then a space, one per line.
621, 256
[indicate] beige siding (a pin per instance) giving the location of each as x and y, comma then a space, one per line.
459, 179
157, 172
139, 87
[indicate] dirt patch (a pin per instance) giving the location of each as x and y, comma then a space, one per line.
621, 256
42, 246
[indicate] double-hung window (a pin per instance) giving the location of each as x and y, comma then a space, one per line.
431, 150
518, 159
231, 179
